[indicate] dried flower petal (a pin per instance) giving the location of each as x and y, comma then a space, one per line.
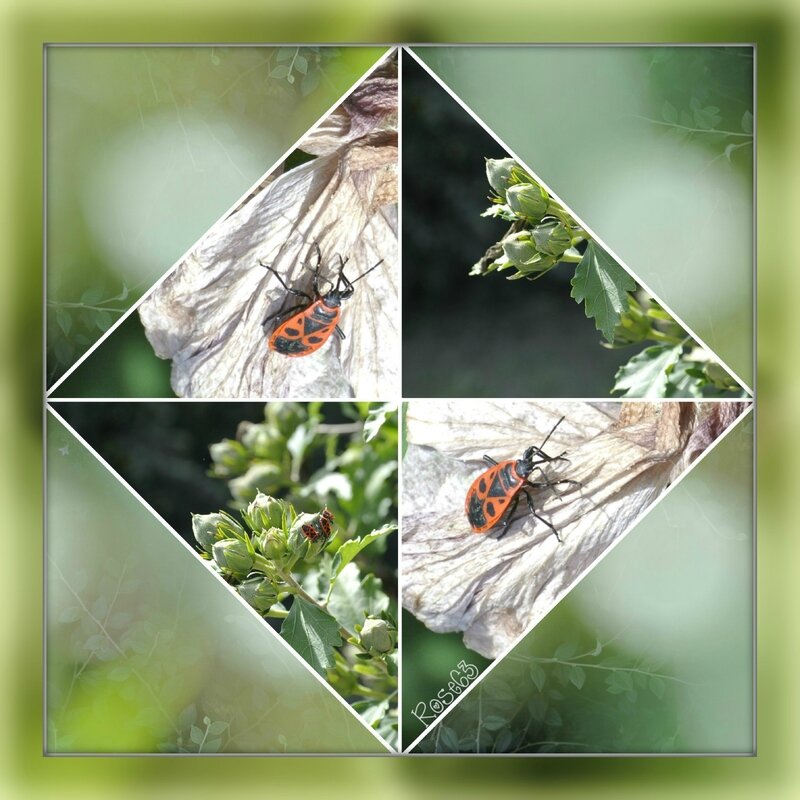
207, 315
494, 590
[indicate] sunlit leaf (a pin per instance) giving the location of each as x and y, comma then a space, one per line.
602, 285
312, 633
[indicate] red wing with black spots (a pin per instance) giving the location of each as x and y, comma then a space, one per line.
305, 332
490, 494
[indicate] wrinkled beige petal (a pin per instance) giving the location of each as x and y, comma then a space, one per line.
207, 316
494, 590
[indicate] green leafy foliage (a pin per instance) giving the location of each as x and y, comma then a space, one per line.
543, 236
305, 490
602, 286
313, 633
581, 699
73, 325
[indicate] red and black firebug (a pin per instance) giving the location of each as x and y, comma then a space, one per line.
495, 493
310, 323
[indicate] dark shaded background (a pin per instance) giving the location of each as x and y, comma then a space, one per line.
478, 336
161, 450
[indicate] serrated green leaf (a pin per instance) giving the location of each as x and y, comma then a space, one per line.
196, 735
646, 374
351, 548
312, 633
602, 285
747, 122
352, 599
280, 71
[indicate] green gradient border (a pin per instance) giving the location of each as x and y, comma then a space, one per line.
774, 27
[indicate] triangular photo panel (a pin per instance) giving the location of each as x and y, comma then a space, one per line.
651, 653
234, 316
570, 320
651, 147
507, 507
145, 148
150, 653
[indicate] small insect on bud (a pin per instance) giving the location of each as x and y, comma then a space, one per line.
377, 636
211, 528
233, 557
310, 533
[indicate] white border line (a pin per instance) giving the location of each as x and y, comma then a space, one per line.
235, 594
577, 218
52, 400
399, 403
230, 210
591, 567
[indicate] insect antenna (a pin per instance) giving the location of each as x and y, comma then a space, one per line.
552, 431
363, 274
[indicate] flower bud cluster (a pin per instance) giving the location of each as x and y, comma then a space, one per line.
258, 555
542, 232
259, 459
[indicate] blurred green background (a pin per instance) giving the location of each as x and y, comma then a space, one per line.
147, 652
651, 147
146, 148
774, 25
652, 652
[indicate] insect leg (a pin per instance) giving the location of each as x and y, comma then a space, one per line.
315, 283
283, 283
507, 520
490, 460
286, 313
340, 333
532, 509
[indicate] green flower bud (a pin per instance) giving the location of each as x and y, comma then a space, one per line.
528, 200
263, 440
285, 417
272, 543
229, 458
260, 477
551, 237
521, 250
265, 512
259, 593
498, 171
211, 528
377, 636
233, 557
310, 533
